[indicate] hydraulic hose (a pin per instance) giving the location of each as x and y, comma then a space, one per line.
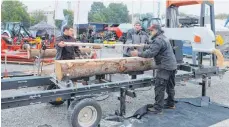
220, 58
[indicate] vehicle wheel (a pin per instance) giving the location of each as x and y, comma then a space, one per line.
70, 110
55, 103
84, 113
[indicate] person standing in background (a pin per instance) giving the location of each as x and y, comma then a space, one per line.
66, 52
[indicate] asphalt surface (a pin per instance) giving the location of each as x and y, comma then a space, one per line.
46, 115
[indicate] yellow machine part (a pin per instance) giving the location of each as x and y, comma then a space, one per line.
220, 58
35, 41
219, 40
109, 42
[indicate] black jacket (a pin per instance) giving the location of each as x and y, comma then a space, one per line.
160, 48
134, 37
68, 52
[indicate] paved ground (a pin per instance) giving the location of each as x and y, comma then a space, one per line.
45, 115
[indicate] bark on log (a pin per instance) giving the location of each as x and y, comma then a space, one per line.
85, 50
50, 53
91, 67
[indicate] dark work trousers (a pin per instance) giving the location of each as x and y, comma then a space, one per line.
165, 79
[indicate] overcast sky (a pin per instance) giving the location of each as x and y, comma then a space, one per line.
221, 6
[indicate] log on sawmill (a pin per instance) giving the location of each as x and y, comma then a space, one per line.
50, 53
90, 67
85, 50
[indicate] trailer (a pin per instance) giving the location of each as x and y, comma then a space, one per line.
83, 110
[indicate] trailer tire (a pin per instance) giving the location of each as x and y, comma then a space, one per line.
84, 113
70, 110
55, 103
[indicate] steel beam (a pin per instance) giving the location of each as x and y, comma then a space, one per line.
52, 95
67, 93
24, 82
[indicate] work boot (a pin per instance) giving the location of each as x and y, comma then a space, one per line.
168, 106
155, 111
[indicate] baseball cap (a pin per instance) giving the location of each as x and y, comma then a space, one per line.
137, 22
154, 26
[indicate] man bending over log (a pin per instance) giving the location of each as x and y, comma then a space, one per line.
160, 48
66, 52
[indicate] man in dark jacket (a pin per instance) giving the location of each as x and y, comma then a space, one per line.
135, 36
161, 50
66, 52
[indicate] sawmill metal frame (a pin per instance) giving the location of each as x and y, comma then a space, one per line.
66, 93
83, 98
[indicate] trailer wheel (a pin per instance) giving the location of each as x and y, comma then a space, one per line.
55, 103
84, 113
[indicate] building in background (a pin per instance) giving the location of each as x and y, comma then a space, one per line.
50, 17
49, 13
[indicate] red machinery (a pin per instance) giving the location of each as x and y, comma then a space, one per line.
17, 51
113, 32
117, 31
15, 40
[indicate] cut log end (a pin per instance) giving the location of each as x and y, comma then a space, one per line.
58, 70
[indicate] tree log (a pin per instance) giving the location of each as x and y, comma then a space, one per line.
85, 50
90, 67
50, 53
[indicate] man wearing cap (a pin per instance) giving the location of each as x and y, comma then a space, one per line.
135, 36
161, 50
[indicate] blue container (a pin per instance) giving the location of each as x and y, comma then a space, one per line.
187, 50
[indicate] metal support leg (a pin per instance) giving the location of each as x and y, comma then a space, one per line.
204, 99
110, 77
194, 57
100, 77
119, 114
133, 76
204, 81
209, 81
122, 100
200, 59
68, 102
154, 73
123, 93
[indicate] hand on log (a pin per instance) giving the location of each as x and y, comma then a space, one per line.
62, 44
134, 53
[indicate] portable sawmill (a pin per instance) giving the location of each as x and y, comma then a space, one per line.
83, 109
